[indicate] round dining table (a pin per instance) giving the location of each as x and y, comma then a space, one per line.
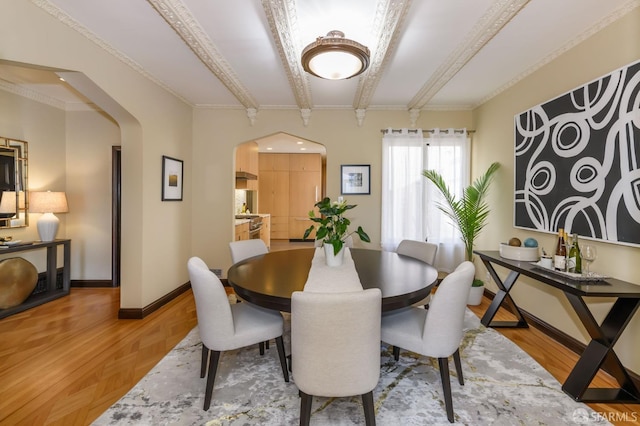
270, 279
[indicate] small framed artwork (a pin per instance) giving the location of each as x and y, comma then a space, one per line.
355, 179
171, 179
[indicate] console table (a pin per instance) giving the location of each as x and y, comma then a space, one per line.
599, 352
51, 291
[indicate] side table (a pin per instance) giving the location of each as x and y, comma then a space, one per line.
51, 292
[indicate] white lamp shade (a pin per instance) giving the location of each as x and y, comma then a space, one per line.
8, 202
48, 202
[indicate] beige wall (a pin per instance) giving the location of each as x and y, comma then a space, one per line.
152, 123
217, 132
24, 119
89, 140
610, 49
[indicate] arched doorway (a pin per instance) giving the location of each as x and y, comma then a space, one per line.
278, 179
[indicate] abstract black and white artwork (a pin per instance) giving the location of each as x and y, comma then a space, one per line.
577, 161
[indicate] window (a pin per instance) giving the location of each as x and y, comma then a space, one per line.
410, 202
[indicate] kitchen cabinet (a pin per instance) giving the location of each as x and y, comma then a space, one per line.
273, 162
305, 162
304, 192
247, 161
242, 230
289, 186
273, 192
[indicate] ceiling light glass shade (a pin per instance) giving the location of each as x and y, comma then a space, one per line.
334, 57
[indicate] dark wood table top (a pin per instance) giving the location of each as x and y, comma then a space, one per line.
269, 280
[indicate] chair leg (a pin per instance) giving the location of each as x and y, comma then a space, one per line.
266, 344
446, 386
456, 359
205, 360
261, 346
283, 359
211, 377
305, 408
369, 410
396, 353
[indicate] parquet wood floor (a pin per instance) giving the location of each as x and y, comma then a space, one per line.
66, 362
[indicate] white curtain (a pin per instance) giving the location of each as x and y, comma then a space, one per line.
402, 187
409, 209
448, 152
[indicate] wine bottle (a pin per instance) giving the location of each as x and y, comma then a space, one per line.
575, 258
559, 259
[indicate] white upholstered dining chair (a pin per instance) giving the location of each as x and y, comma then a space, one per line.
224, 326
423, 251
335, 348
244, 249
436, 332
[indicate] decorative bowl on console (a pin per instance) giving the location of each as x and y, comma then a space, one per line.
525, 254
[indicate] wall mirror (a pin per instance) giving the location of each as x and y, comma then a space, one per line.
14, 192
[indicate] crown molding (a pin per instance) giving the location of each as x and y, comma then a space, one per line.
386, 30
283, 24
182, 21
75, 25
31, 94
496, 17
600, 25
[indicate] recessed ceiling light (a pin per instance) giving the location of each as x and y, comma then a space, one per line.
269, 149
303, 149
299, 142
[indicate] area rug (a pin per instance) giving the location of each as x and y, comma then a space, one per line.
503, 386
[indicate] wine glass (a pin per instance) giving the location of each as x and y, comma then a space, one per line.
589, 254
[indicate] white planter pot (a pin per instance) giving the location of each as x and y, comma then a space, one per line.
333, 260
475, 295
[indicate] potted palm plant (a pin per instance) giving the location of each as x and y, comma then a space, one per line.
333, 228
468, 214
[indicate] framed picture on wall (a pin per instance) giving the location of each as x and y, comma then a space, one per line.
576, 161
171, 179
355, 179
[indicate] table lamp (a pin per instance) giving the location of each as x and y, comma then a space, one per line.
8, 203
48, 203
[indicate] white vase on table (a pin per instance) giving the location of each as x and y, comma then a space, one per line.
333, 259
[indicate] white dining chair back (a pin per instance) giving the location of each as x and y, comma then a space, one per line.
335, 346
436, 332
224, 327
443, 329
244, 249
420, 250
423, 251
212, 304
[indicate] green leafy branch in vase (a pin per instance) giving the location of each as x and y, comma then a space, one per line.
332, 227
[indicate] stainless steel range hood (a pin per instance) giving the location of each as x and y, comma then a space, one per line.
245, 176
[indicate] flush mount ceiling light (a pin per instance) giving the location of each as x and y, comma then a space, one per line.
334, 57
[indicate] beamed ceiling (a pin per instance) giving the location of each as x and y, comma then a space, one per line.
425, 54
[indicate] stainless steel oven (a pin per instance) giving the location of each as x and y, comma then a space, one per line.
255, 224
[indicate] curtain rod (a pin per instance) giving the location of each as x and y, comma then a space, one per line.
385, 131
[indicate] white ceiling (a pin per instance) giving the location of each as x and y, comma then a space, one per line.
426, 54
